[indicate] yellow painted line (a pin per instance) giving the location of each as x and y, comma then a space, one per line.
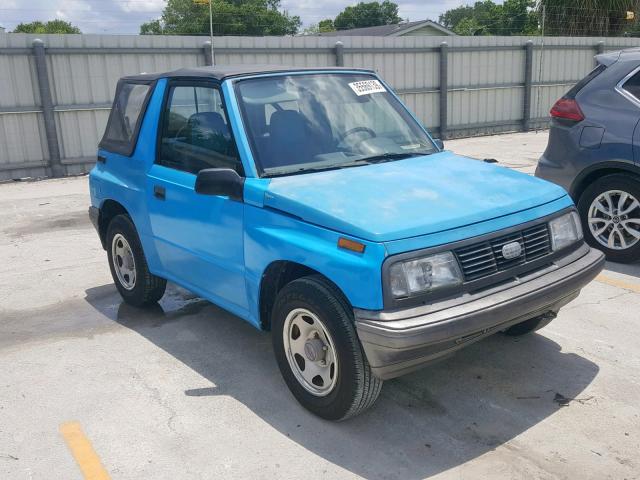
634, 287
83, 452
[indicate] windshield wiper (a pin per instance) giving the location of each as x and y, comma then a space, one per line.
301, 170
386, 157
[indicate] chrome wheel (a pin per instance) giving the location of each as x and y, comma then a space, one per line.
310, 351
123, 262
614, 219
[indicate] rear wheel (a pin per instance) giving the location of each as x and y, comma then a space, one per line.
318, 351
128, 265
610, 213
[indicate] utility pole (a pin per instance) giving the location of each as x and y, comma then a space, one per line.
204, 2
213, 59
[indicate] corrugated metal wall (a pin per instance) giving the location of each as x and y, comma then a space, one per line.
486, 84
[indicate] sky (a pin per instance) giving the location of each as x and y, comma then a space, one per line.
125, 16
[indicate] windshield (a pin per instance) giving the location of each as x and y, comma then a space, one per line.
311, 122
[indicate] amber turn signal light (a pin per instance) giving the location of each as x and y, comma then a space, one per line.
350, 245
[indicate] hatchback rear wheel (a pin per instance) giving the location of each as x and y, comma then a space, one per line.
610, 212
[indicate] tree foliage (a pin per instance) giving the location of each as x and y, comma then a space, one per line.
559, 17
321, 27
513, 17
589, 17
230, 17
326, 25
52, 26
367, 15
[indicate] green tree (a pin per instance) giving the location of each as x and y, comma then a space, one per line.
320, 27
326, 25
513, 17
230, 17
589, 17
52, 26
367, 15
468, 26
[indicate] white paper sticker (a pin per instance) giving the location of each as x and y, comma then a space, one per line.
366, 87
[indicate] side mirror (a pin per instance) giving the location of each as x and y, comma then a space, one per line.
439, 143
220, 181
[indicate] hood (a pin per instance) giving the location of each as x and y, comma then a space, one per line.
407, 198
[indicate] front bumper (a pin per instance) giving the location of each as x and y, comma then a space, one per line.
397, 342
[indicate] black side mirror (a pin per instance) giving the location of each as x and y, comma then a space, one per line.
220, 181
439, 143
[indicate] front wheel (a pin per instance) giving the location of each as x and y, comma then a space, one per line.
128, 265
318, 351
610, 212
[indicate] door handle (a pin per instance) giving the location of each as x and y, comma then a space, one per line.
102, 159
159, 192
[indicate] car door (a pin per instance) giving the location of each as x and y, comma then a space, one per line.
199, 238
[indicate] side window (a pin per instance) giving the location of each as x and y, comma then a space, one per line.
125, 116
195, 133
633, 86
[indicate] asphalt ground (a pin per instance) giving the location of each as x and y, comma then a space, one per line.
93, 388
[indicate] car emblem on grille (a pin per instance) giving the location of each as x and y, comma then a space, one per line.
512, 250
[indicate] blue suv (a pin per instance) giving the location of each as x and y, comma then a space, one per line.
311, 203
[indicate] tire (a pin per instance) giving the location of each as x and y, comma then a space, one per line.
141, 287
531, 325
354, 388
629, 185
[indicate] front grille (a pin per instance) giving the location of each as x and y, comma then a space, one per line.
485, 258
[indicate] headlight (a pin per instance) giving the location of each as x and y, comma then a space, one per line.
424, 275
565, 230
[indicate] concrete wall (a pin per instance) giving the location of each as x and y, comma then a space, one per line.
491, 84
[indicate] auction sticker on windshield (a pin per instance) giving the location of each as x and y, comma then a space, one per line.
366, 87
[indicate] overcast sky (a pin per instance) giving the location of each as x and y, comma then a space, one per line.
125, 16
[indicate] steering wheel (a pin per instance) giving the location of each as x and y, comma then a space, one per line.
351, 131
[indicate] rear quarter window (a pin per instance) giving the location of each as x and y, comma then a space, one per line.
633, 85
126, 115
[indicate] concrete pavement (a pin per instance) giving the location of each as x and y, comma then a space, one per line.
186, 390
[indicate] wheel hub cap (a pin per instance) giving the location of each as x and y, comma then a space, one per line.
310, 351
123, 262
314, 349
614, 219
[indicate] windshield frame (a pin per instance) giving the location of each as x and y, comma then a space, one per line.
240, 108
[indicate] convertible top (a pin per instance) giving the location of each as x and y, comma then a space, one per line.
221, 72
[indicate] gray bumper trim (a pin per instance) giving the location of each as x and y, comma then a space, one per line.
396, 344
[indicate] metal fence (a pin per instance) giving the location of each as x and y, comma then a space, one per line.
56, 90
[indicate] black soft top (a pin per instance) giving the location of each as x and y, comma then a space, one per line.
221, 72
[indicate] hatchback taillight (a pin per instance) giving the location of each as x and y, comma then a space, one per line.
568, 109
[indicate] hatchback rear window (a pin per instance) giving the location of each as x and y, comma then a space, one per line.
583, 83
125, 117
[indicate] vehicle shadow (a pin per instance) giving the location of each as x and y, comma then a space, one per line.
624, 268
423, 423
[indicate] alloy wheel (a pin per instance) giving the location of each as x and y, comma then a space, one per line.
614, 219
